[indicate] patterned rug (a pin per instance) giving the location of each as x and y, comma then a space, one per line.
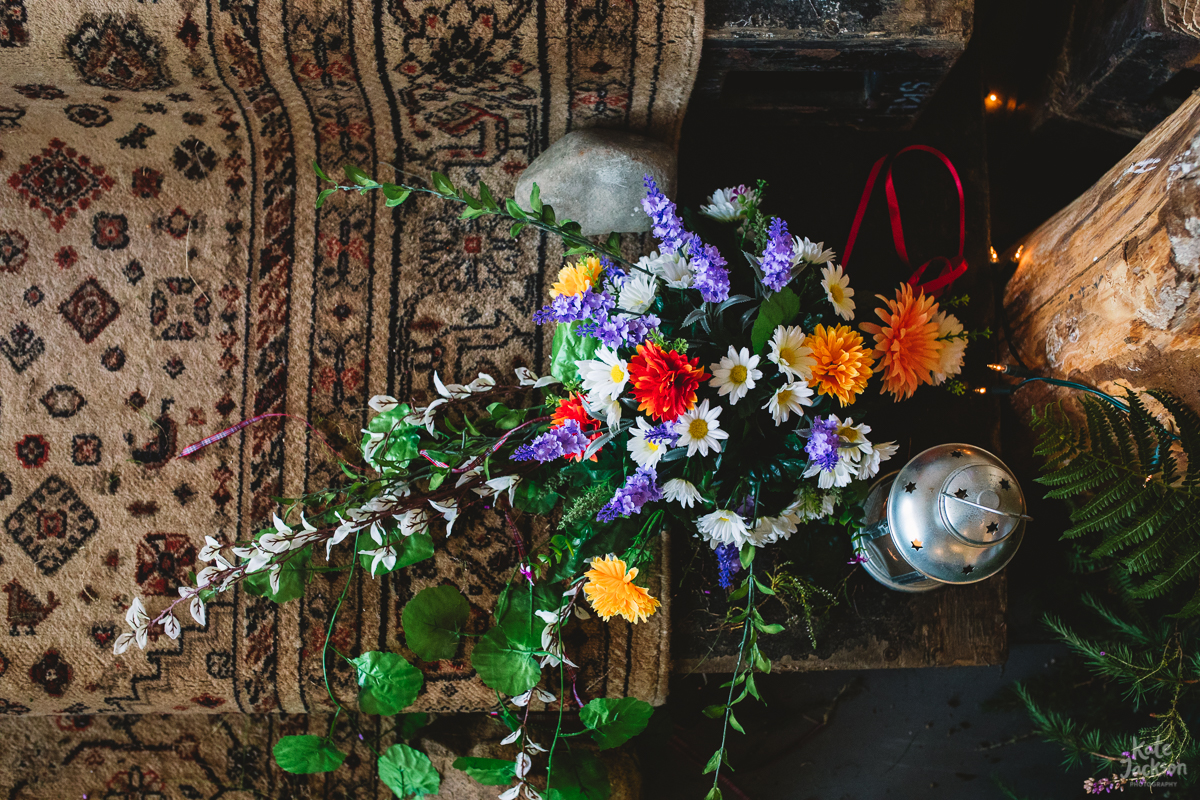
164, 274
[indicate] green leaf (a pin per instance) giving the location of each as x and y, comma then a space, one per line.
433, 622
401, 445
388, 683
407, 725
506, 418
714, 761
773, 628
502, 667
514, 210
737, 726
320, 172
408, 772
746, 556
488, 771
532, 497
443, 184
357, 175
305, 755
778, 309
568, 347
395, 194
714, 794
410, 550
515, 609
614, 721
516, 229
535, 200
323, 196
712, 712
485, 196
293, 576
578, 775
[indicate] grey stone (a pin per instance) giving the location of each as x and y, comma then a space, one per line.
595, 178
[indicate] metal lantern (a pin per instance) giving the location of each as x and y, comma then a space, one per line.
953, 514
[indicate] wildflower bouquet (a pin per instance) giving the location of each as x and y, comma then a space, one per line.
707, 386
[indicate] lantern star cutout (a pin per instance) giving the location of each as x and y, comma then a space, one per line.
961, 494
968, 569
956, 453
1004, 484
992, 527
910, 487
916, 544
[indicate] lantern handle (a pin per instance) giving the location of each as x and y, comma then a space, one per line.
1025, 517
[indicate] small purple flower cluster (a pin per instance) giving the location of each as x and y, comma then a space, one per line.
613, 272
620, 329
708, 266
662, 434
666, 224
728, 564
777, 257
565, 440
822, 446
573, 307
1103, 786
640, 488
708, 271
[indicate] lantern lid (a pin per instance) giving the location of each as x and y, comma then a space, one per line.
957, 513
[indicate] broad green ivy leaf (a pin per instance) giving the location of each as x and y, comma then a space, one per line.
443, 184
578, 775
488, 771
408, 773
357, 175
293, 576
433, 622
388, 683
410, 550
501, 667
401, 444
780, 308
614, 721
568, 347
395, 194
515, 613
304, 755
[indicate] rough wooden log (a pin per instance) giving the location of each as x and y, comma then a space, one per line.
867, 63
1126, 65
1106, 291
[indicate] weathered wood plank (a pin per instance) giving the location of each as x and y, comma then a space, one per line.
868, 63
1106, 290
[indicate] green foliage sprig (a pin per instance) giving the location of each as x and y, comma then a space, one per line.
1122, 472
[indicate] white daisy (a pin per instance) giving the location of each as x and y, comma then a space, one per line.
638, 293
768, 530
950, 360
791, 398
868, 467
809, 253
723, 527
671, 267
853, 437
700, 430
789, 353
604, 377
837, 289
677, 490
643, 451
841, 475
735, 374
723, 205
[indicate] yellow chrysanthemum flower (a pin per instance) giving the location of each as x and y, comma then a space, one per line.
572, 280
843, 364
611, 592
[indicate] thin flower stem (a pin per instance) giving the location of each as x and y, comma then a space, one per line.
737, 668
329, 630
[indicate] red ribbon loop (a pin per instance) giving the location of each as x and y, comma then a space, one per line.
954, 267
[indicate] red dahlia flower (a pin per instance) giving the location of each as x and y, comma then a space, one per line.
572, 408
664, 382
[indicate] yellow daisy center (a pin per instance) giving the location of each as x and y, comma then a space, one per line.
738, 374
652, 447
784, 397
787, 355
698, 428
617, 374
836, 293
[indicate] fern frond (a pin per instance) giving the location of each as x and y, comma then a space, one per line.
1184, 565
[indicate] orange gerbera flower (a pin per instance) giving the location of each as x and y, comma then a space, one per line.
611, 592
843, 364
664, 382
571, 407
906, 344
583, 274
